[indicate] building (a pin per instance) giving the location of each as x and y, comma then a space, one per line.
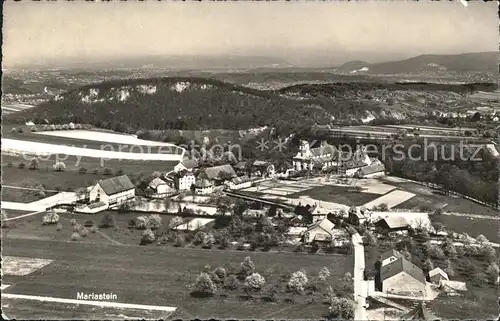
375, 169
241, 168
160, 187
322, 231
217, 175
349, 166
263, 169
186, 165
322, 157
113, 191
91, 208
437, 275
402, 277
392, 223
420, 312
203, 186
239, 182
389, 257
359, 215
184, 180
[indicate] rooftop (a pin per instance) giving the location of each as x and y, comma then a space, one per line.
116, 184
402, 265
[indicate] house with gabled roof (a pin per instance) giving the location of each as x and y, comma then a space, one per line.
186, 165
219, 174
160, 188
392, 223
437, 275
324, 231
113, 191
389, 257
402, 277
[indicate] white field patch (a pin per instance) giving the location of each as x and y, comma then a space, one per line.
22, 206
194, 224
16, 265
392, 199
104, 137
4, 286
44, 149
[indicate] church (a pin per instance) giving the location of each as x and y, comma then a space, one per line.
308, 158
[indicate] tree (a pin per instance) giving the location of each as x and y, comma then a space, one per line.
141, 222
436, 252
341, 308
449, 269
153, 221
204, 285
428, 265
324, 274
406, 254
232, 282
369, 239
450, 249
120, 172
346, 284
59, 167
492, 273
254, 282
147, 237
34, 164
489, 253
383, 207
107, 171
175, 221
107, 221
82, 170
50, 218
81, 193
21, 165
247, 267
297, 282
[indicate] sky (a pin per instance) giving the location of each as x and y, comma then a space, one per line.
37, 32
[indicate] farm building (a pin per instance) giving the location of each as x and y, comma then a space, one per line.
241, 168
160, 187
263, 169
437, 275
375, 169
203, 186
113, 191
392, 223
219, 174
349, 167
186, 165
402, 277
239, 182
389, 257
325, 231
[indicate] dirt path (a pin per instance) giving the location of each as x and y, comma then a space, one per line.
476, 216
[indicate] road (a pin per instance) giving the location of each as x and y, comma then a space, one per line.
360, 285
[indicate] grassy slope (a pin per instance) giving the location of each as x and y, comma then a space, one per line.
159, 275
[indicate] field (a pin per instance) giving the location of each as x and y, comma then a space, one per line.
337, 194
426, 198
21, 195
471, 226
159, 276
70, 178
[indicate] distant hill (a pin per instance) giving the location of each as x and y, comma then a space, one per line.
173, 103
481, 62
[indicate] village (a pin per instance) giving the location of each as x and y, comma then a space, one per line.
250, 206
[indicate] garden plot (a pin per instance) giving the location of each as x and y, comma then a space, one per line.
104, 137
392, 199
20, 266
45, 149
